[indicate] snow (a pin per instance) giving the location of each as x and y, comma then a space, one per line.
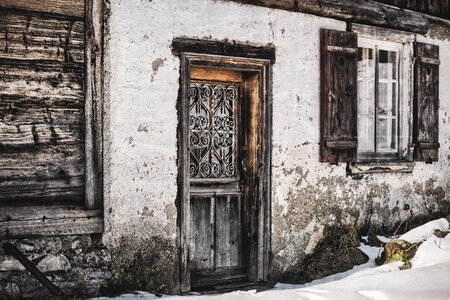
384, 239
432, 251
429, 277
423, 232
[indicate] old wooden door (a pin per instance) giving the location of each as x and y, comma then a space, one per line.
217, 177
224, 171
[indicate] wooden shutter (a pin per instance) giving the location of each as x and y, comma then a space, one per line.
426, 102
339, 56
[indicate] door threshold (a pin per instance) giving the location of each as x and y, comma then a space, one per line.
236, 286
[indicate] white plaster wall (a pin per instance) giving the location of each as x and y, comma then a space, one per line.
141, 145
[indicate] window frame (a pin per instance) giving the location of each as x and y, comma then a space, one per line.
48, 220
404, 42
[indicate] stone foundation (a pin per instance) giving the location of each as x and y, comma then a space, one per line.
78, 265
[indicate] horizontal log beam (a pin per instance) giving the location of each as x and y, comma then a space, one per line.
361, 11
46, 227
43, 212
73, 8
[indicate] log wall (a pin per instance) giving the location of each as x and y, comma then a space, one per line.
41, 101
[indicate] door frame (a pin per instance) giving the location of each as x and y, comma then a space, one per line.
260, 246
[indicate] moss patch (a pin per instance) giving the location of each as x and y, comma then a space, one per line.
398, 250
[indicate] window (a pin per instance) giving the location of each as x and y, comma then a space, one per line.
380, 99
377, 105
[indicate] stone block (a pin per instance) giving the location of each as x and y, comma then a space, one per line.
52, 263
12, 290
100, 275
97, 258
9, 263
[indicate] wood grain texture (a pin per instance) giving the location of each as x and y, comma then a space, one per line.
73, 8
42, 108
32, 37
228, 232
34, 212
202, 241
361, 11
180, 45
46, 227
426, 102
338, 142
93, 106
183, 197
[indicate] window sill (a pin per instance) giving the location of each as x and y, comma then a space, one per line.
380, 167
26, 221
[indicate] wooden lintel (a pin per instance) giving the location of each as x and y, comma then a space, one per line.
180, 45
361, 11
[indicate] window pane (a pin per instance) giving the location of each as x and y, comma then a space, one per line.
366, 99
388, 64
365, 134
387, 99
387, 135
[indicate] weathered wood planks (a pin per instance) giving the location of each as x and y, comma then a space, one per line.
361, 11
30, 37
36, 212
41, 107
73, 8
94, 104
45, 227
426, 102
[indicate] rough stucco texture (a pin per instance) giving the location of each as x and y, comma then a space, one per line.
141, 144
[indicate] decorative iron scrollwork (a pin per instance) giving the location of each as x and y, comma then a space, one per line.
213, 130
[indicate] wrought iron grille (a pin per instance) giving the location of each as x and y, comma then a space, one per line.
213, 111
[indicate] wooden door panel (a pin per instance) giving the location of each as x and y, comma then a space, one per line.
202, 248
228, 231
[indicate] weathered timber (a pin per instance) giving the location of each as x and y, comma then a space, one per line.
438, 8
66, 189
228, 232
180, 45
16, 136
42, 163
202, 240
338, 141
46, 227
55, 172
36, 38
42, 108
72, 8
426, 102
361, 11
384, 34
35, 212
94, 103
228, 209
183, 196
